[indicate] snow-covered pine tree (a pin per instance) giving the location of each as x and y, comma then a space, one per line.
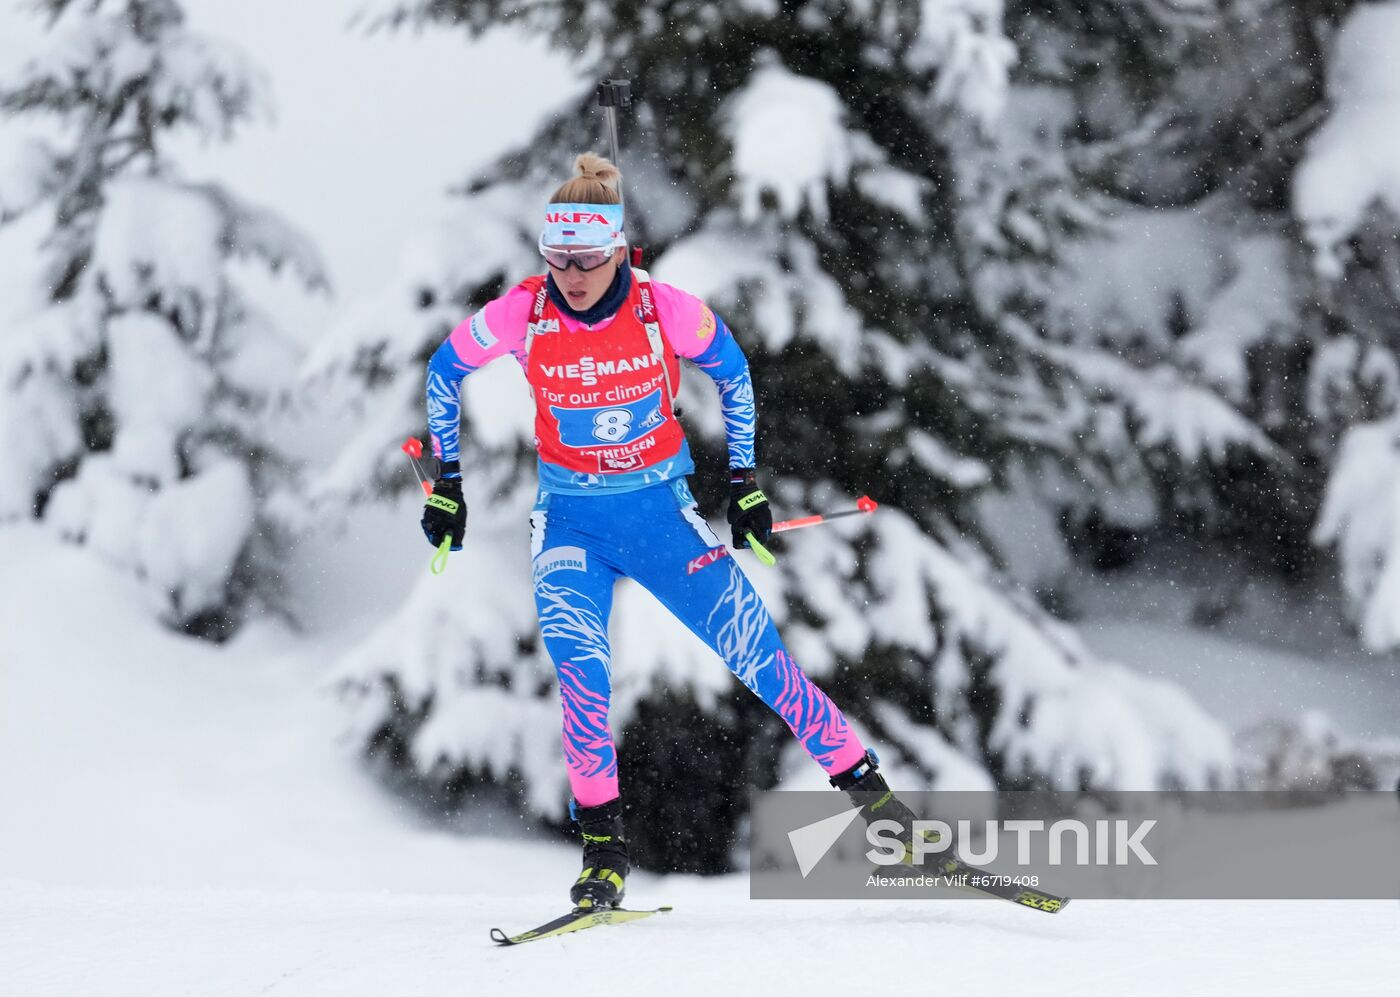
1186, 121
133, 406
1346, 197
830, 177
1219, 134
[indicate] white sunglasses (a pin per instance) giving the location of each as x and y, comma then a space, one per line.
586, 258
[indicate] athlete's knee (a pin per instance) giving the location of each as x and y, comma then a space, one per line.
583, 677
586, 694
817, 722
737, 625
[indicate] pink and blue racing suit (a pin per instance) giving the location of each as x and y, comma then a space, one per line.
603, 519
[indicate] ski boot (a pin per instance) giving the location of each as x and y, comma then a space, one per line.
605, 865
868, 789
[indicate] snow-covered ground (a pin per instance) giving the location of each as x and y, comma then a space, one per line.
178, 819
158, 942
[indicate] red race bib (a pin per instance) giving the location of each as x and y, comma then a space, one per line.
603, 397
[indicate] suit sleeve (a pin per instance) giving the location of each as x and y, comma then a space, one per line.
494, 331
724, 361
697, 333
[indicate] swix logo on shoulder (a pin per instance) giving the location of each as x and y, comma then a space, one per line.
647, 306
706, 559
541, 296
575, 217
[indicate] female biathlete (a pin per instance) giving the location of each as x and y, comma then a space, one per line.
600, 344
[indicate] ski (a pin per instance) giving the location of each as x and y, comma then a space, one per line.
969, 877
957, 874
576, 920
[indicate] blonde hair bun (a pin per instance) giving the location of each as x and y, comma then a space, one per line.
595, 181
592, 166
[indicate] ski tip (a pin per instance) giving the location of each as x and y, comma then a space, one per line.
576, 920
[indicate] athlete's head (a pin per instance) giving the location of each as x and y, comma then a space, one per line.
582, 242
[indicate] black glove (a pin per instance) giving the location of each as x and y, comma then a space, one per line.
748, 508
445, 513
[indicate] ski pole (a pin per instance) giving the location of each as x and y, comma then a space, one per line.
613, 94
413, 448
864, 506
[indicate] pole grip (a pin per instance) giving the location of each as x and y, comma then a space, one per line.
760, 551
439, 562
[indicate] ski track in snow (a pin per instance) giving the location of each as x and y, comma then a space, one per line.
179, 820
155, 942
